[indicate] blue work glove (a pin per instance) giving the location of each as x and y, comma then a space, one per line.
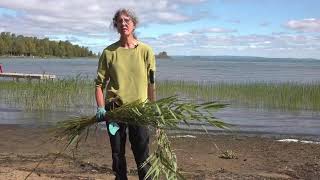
113, 128
101, 114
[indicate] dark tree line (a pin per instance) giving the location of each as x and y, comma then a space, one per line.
13, 45
162, 54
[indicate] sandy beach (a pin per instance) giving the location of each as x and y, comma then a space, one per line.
199, 157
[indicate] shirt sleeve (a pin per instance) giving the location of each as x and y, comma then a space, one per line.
151, 59
102, 72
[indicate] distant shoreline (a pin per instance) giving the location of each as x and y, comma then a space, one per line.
47, 57
173, 56
162, 55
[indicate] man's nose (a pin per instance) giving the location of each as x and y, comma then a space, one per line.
123, 22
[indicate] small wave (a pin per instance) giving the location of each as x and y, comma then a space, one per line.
298, 141
183, 136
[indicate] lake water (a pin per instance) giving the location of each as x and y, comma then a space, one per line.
186, 68
213, 69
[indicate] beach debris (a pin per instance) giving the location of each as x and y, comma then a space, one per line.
267, 175
288, 140
183, 136
298, 141
228, 154
166, 113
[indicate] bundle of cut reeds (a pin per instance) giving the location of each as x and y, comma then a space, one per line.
166, 113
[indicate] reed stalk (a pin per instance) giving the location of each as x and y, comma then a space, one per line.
162, 114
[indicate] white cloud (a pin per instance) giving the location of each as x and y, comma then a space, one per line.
88, 24
170, 17
79, 16
190, 1
213, 30
273, 45
304, 25
59, 18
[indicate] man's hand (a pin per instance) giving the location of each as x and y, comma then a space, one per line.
101, 114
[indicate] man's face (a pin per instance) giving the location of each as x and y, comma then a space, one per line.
125, 25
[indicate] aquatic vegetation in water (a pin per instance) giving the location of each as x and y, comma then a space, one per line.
48, 95
289, 96
67, 94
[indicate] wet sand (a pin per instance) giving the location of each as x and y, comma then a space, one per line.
22, 148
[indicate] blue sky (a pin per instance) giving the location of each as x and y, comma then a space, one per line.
270, 28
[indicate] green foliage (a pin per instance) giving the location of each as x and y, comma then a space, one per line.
163, 161
163, 114
228, 154
13, 45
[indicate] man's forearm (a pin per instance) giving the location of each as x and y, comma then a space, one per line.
99, 97
152, 92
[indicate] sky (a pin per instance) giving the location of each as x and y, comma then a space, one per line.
264, 28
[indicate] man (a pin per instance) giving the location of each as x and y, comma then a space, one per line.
128, 66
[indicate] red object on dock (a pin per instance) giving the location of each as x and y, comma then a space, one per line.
1, 68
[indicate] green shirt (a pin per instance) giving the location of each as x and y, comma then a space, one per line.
126, 71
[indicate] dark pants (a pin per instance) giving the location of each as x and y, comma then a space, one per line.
139, 140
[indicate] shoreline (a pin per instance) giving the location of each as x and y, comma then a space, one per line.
199, 157
258, 134
45, 58
202, 132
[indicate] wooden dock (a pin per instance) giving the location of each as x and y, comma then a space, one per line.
18, 76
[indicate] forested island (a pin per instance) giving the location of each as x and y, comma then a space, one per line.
19, 45
162, 55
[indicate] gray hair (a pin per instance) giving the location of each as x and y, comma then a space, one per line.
126, 12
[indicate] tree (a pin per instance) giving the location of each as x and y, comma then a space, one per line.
10, 44
2, 47
20, 46
30, 46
